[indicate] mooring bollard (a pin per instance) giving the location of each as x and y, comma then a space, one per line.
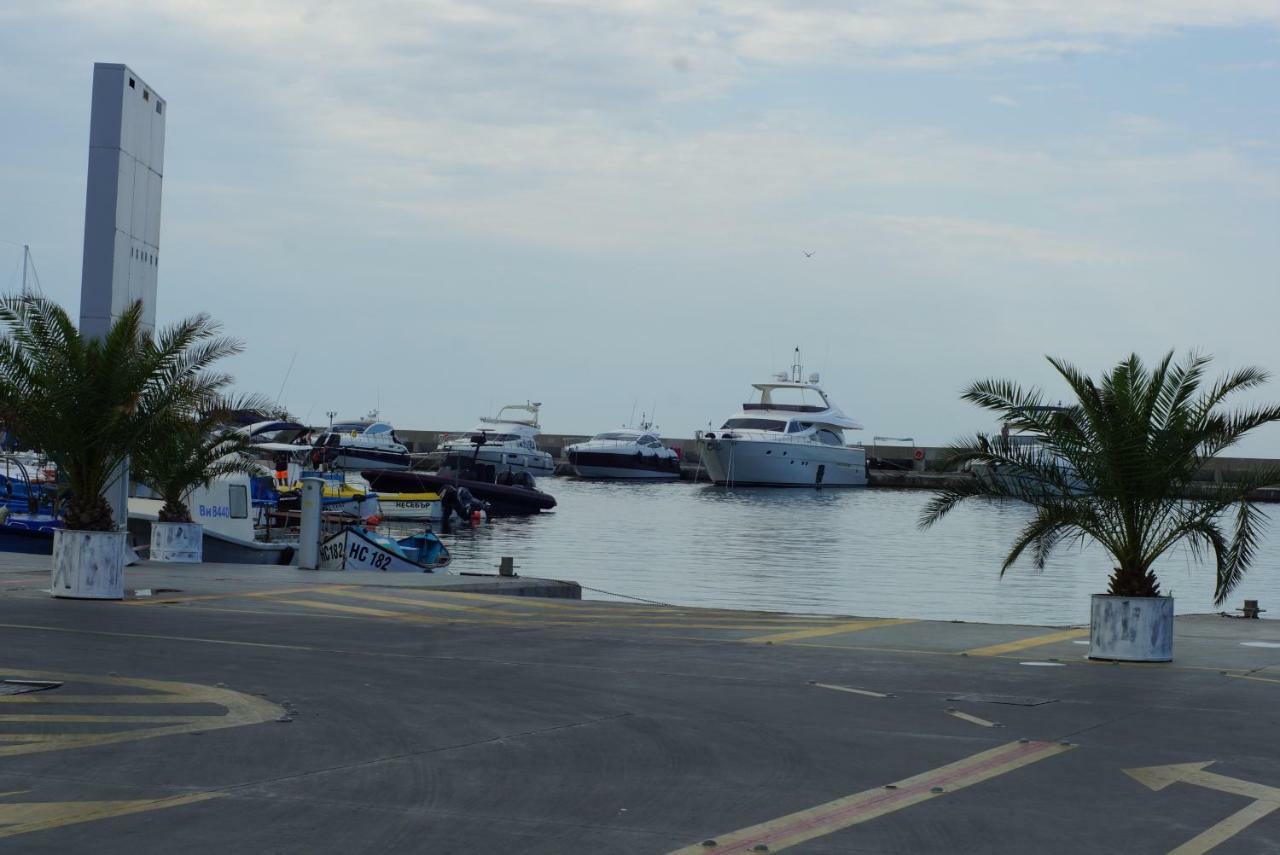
309, 527
507, 567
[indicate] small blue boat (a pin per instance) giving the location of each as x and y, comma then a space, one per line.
356, 549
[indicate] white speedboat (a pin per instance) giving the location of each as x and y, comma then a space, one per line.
365, 444
791, 436
510, 442
635, 453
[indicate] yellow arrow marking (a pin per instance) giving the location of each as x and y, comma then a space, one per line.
25, 818
862, 807
1266, 800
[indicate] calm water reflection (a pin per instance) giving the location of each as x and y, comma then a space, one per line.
854, 552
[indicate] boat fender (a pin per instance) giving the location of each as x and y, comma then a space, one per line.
919, 455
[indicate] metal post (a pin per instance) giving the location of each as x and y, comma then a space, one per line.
309, 528
507, 567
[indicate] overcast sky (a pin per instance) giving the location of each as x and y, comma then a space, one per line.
440, 207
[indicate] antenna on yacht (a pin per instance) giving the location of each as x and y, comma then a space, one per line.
797, 371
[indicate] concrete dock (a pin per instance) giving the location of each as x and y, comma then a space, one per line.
278, 713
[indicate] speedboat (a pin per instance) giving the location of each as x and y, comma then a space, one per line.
627, 453
790, 436
359, 445
509, 441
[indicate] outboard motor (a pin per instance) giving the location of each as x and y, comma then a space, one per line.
460, 501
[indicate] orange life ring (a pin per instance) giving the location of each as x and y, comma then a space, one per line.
919, 455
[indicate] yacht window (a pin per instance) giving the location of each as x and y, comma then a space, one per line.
829, 437
755, 424
238, 500
625, 437
378, 428
798, 427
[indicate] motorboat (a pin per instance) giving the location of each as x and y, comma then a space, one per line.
636, 453
790, 436
360, 445
355, 548
509, 441
505, 493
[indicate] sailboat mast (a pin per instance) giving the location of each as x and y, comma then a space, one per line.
26, 253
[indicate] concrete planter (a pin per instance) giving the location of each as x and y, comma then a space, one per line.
1131, 629
181, 542
88, 565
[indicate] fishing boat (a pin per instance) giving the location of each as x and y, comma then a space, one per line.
409, 507
630, 453
790, 436
359, 445
355, 548
509, 441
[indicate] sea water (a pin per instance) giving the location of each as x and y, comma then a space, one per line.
834, 551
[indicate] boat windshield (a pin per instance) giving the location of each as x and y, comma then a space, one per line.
755, 424
623, 437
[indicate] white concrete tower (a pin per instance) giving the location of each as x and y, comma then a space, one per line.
122, 202
121, 214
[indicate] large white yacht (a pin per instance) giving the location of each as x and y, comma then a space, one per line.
510, 441
791, 436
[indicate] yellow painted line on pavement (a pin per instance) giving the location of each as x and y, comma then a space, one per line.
1231, 826
362, 611
1027, 643
236, 709
867, 692
73, 718
78, 631
820, 631
1252, 677
165, 599
972, 719
25, 818
359, 594
53, 697
805, 825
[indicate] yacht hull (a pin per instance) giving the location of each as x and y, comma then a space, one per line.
631, 466
539, 464
761, 463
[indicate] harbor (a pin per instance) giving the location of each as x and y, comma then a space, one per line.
640, 429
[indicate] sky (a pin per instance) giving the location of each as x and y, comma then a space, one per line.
434, 208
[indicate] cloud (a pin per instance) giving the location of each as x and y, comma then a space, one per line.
1002, 101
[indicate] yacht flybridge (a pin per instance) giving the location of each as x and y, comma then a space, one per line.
790, 436
510, 441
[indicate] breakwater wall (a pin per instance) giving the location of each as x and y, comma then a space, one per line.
887, 458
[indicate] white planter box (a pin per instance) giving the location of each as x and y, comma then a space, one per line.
1131, 629
88, 564
181, 542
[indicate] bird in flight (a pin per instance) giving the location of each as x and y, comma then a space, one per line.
808, 254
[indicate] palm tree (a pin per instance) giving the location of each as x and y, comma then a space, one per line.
187, 450
87, 402
1118, 466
